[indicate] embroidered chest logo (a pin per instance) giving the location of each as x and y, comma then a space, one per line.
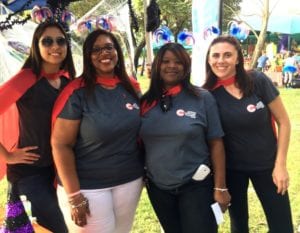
130, 106
253, 108
182, 113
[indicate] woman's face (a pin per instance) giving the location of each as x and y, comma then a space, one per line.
223, 58
53, 48
171, 70
104, 56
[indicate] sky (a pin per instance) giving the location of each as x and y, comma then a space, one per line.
282, 6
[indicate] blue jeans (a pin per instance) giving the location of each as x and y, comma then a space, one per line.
276, 207
185, 209
40, 191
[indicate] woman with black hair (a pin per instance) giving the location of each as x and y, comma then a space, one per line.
94, 140
34, 89
184, 153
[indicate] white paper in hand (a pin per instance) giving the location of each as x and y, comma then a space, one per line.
217, 212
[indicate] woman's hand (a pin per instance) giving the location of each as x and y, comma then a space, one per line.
22, 155
79, 209
223, 198
280, 178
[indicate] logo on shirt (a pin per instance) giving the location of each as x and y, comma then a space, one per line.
182, 113
130, 106
253, 108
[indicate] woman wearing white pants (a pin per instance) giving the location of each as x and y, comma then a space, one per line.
94, 140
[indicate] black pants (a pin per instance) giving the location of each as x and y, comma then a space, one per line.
276, 207
42, 195
185, 209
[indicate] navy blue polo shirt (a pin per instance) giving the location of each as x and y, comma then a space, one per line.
106, 150
176, 142
250, 142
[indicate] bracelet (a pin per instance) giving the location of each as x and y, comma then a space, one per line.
221, 189
73, 194
83, 203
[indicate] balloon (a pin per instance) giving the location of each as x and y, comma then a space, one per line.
40, 14
211, 31
103, 23
186, 39
238, 30
162, 36
68, 17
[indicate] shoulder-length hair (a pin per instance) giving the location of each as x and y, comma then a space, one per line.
89, 73
243, 80
35, 60
156, 84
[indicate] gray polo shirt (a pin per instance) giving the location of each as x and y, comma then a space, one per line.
176, 141
106, 150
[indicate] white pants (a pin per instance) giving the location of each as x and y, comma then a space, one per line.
112, 209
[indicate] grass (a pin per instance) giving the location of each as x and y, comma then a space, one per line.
146, 221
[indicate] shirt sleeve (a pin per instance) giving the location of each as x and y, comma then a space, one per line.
72, 110
214, 127
264, 88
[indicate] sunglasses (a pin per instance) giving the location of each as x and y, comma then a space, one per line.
49, 41
166, 103
98, 50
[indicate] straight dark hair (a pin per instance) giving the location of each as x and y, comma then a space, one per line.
35, 60
89, 73
156, 88
243, 78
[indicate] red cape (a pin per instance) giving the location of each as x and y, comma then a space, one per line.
10, 92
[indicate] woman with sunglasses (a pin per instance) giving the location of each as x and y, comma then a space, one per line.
182, 135
33, 90
94, 140
249, 106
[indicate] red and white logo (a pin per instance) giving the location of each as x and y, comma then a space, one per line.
251, 108
129, 106
180, 112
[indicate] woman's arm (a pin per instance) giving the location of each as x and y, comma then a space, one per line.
217, 151
280, 173
63, 139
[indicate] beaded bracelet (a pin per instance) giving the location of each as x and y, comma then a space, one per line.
221, 189
83, 203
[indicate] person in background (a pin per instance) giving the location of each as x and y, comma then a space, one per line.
94, 140
289, 68
34, 89
262, 62
249, 106
182, 136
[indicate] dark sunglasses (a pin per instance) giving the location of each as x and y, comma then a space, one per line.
49, 41
166, 103
99, 50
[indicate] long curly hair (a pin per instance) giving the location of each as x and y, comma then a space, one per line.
89, 73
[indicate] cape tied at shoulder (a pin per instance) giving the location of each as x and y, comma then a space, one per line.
78, 83
64, 96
